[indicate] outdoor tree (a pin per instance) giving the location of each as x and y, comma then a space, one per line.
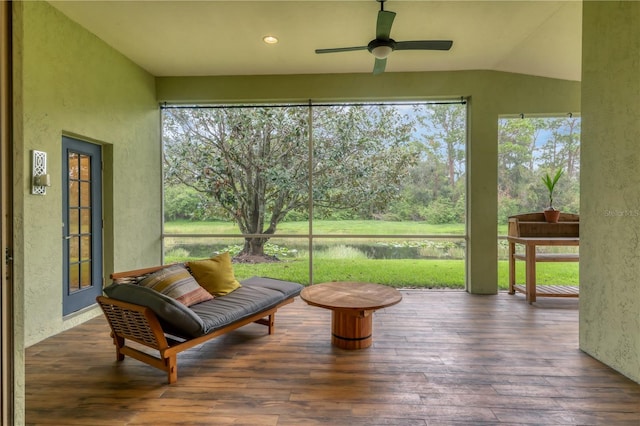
445, 126
528, 147
563, 147
516, 157
254, 161
432, 191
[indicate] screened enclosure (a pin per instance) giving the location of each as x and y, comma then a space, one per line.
320, 192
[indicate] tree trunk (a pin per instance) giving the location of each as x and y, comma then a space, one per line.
254, 246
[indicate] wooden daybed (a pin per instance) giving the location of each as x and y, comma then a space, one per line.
141, 315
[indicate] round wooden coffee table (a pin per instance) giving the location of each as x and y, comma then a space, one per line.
352, 305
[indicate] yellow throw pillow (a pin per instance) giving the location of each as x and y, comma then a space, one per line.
215, 275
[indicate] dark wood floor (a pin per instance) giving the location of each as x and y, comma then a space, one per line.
438, 358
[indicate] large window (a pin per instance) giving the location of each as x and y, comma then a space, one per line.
314, 193
528, 149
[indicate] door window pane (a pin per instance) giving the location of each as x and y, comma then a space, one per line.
74, 221
85, 275
74, 277
74, 193
85, 167
85, 194
85, 223
85, 243
74, 166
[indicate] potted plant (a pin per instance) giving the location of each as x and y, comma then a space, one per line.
550, 213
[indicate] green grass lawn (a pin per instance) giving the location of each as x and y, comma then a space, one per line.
422, 273
362, 227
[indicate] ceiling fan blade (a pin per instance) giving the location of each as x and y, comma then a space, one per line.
424, 45
341, 49
379, 66
383, 26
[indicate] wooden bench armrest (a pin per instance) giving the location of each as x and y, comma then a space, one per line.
133, 322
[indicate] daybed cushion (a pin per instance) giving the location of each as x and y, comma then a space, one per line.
215, 275
243, 302
288, 289
174, 316
176, 282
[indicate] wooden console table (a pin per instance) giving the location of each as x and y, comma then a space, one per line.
531, 230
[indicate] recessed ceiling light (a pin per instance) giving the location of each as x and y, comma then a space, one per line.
270, 39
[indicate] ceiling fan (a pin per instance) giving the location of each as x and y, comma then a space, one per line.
383, 45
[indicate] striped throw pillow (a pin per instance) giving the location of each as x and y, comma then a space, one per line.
176, 282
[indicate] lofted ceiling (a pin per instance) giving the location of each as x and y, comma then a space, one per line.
194, 38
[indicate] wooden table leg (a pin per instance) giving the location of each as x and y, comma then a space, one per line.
512, 268
530, 260
351, 330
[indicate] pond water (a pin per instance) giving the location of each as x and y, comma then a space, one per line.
437, 250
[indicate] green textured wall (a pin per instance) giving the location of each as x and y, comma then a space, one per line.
67, 81
72, 83
610, 198
491, 94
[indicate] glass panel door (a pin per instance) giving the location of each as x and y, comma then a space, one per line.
82, 213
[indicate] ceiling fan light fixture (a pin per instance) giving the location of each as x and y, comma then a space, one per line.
381, 48
381, 52
269, 39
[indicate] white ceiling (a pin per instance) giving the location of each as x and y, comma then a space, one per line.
190, 38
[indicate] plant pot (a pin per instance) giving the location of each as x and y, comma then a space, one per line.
552, 215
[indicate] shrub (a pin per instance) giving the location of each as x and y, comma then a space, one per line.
441, 211
184, 203
507, 207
